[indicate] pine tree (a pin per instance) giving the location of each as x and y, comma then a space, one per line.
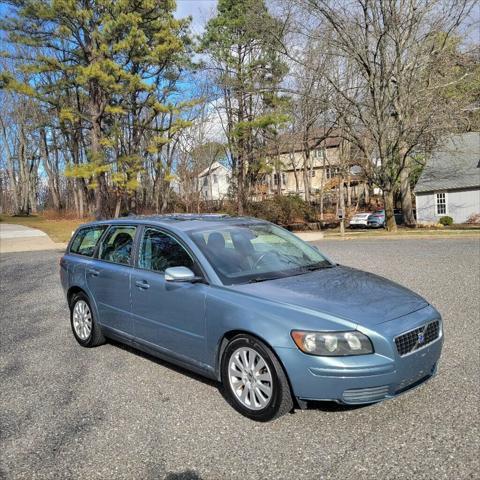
242, 41
119, 56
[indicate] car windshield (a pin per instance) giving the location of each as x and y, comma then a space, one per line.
256, 252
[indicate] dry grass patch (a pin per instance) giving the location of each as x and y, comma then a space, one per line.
59, 230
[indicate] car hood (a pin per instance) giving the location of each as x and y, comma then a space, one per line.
354, 295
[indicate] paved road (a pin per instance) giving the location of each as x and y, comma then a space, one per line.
68, 412
18, 238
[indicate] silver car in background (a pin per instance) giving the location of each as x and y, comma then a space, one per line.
359, 220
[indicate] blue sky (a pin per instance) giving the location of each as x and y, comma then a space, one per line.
200, 11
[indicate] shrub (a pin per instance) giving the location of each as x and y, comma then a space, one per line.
446, 220
282, 209
474, 219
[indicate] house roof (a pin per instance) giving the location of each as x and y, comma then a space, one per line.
453, 165
211, 169
291, 142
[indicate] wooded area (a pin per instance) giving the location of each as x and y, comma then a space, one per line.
114, 107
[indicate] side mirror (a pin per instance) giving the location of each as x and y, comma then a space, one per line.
180, 274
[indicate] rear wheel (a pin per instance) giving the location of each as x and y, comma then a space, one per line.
85, 330
254, 380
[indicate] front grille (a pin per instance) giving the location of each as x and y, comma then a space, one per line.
418, 338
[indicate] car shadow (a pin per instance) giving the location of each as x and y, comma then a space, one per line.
164, 363
332, 406
324, 406
186, 475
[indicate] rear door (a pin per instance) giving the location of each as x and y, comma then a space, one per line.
108, 278
169, 316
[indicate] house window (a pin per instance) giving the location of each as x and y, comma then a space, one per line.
312, 173
441, 203
331, 172
205, 181
215, 179
277, 178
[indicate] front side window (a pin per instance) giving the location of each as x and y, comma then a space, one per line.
159, 251
255, 252
441, 203
117, 245
86, 240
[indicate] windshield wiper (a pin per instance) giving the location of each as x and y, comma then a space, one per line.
261, 279
311, 268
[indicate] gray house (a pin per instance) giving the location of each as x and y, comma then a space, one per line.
450, 182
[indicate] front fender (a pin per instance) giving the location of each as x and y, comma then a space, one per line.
229, 311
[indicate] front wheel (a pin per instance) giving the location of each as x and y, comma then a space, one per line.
254, 381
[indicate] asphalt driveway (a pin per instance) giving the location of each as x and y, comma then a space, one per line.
111, 412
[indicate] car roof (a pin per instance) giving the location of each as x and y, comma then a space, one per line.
180, 221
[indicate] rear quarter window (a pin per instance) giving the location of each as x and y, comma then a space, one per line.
86, 240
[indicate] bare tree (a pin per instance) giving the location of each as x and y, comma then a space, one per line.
391, 47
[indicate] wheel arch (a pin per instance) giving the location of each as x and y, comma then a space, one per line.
227, 337
73, 291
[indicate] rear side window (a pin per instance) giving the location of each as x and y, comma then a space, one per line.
117, 245
86, 240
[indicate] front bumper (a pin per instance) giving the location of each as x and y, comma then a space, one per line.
358, 223
365, 378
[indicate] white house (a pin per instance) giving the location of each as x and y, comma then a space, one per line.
450, 182
214, 182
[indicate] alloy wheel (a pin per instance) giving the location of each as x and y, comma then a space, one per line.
250, 378
82, 320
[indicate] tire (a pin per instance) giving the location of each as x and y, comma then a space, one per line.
80, 307
252, 384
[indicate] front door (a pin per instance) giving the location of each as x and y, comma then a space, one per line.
108, 278
169, 316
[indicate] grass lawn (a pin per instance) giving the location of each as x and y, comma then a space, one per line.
58, 230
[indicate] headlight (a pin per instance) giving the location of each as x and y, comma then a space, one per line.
332, 344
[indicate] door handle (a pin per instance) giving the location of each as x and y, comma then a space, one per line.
143, 284
93, 272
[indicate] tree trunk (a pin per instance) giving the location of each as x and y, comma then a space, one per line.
341, 202
118, 205
10, 170
366, 187
240, 185
406, 197
349, 192
52, 173
322, 182
306, 175
101, 199
295, 175
389, 213
101, 211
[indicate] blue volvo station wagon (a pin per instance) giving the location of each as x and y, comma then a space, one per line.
249, 304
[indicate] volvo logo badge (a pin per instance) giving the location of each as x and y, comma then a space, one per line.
421, 338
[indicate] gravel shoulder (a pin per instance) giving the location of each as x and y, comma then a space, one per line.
111, 412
